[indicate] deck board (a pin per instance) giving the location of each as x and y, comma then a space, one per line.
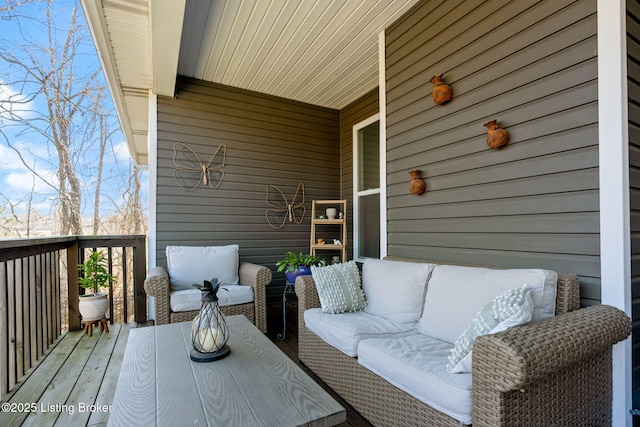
55, 399
110, 380
36, 382
78, 369
85, 390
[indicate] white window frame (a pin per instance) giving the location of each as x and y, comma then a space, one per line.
357, 194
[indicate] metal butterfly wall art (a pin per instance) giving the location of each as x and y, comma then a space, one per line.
281, 209
190, 171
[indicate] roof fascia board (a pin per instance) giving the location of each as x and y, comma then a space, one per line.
99, 32
167, 18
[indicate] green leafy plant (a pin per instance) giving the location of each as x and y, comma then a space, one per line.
292, 261
95, 272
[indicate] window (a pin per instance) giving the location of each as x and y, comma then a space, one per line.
366, 184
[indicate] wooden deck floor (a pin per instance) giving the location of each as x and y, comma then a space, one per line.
75, 383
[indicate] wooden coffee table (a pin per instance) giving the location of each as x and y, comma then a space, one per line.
255, 385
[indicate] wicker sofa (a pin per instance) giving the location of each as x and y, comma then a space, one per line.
553, 372
158, 285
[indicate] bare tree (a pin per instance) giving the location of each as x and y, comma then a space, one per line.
129, 217
105, 136
137, 214
9, 219
60, 103
8, 6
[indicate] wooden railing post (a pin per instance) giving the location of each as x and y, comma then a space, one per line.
73, 252
140, 273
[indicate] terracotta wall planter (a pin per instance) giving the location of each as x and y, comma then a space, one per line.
442, 92
496, 136
417, 185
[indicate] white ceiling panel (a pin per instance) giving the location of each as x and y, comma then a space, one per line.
129, 31
316, 51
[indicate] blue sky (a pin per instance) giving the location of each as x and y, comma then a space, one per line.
16, 181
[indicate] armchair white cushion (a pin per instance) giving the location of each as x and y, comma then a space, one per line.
189, 265
191, 299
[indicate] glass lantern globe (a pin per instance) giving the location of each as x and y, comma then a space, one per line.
209, 331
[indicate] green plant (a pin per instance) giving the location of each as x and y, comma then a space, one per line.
95, 272
292, 261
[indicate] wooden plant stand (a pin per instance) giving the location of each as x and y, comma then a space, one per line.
88, 325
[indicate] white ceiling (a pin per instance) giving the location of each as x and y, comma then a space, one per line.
323, 52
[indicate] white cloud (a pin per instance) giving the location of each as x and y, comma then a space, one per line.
31, 153
24, 182
9, 159
12, 102
16, 180
121, 151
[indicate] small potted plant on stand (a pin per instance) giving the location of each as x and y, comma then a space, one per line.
295, 265
93, 306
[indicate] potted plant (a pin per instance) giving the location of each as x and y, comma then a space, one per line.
295, 265
95, 275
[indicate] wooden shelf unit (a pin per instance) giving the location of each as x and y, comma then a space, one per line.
340, 206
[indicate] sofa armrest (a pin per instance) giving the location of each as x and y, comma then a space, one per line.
258, 277
157, 286
556, 364
307, 294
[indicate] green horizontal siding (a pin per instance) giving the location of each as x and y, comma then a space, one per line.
269, 141
532, 66
633, 82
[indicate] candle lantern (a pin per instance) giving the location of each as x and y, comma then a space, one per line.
209, 331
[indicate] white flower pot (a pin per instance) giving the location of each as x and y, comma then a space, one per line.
93, 307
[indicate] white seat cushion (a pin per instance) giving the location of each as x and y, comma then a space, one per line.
191, 299
189, 265
455, 294
512, 308
395, 289
417, 365
345, 330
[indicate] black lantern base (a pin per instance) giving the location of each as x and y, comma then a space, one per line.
196, 356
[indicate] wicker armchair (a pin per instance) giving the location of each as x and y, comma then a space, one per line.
157, 285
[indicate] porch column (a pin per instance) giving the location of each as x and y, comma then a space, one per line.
152, 147
615, 236
382, 107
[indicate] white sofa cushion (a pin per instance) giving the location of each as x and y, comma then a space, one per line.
417, 365
189, 265
339, 288
511, 308
191, 299
395, 289
455, 294
345, 330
